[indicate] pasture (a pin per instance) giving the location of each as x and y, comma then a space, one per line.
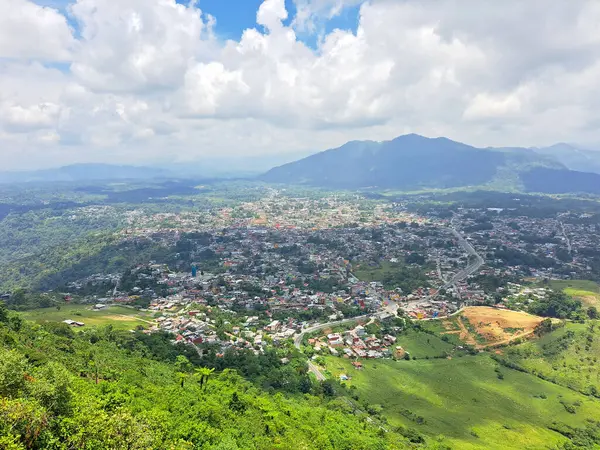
472, 400
118, 316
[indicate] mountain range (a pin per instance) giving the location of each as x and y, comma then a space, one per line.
409, 162
85, 172
412, 162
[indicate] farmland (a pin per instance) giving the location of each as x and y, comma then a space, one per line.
473, 401
118, 316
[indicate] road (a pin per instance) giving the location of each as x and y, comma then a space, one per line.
471, 268
562, 227
299, 337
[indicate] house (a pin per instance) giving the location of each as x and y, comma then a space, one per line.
273, 326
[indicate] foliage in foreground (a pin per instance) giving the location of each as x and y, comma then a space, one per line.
59, 390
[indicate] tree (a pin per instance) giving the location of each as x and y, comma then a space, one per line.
3, 313
202, 373
545, 326
236, 404
12, 372
183, 364
592, 312
181, 377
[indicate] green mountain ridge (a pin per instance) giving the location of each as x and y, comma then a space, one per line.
416, 162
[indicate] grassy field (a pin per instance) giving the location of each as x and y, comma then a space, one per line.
568, 356
585, 290
466, 400
118, 316
422, 345
393, 275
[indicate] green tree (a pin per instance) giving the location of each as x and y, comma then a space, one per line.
202, 374
12, 373
183, 364
181, 377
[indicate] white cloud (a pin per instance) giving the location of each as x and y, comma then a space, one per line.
28, 31
148, 80
138, 45
26, 118
271, 13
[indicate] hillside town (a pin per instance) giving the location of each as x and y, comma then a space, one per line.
260, 273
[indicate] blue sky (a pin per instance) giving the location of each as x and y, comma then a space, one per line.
234, 16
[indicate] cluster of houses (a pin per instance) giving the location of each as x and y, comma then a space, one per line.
354, 343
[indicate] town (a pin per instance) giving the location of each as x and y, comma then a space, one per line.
264, 272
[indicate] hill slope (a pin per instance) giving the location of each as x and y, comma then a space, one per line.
414, 162
65, 390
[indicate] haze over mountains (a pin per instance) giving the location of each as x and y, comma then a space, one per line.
416, 162
408, 162
85, 172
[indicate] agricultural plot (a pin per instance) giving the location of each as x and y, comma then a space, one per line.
118, 316
473, 401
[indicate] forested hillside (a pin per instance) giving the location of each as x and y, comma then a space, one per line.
97, 390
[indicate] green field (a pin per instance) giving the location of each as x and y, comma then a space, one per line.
465, 400
567, 356
423, 345
585, 290
118, 316
393, 275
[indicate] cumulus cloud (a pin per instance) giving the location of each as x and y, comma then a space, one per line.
30, 31
138, 45
147, 80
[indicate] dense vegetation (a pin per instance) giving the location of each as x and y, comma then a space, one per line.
395, 275
64, 390
559, 305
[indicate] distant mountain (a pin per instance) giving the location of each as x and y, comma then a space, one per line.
231, 166
415, 162
573, 157
85, 172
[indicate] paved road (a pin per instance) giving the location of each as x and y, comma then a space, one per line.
471, 268
562, 227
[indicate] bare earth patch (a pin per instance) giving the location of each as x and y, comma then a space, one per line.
499, 326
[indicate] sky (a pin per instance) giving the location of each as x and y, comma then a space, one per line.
160, 81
